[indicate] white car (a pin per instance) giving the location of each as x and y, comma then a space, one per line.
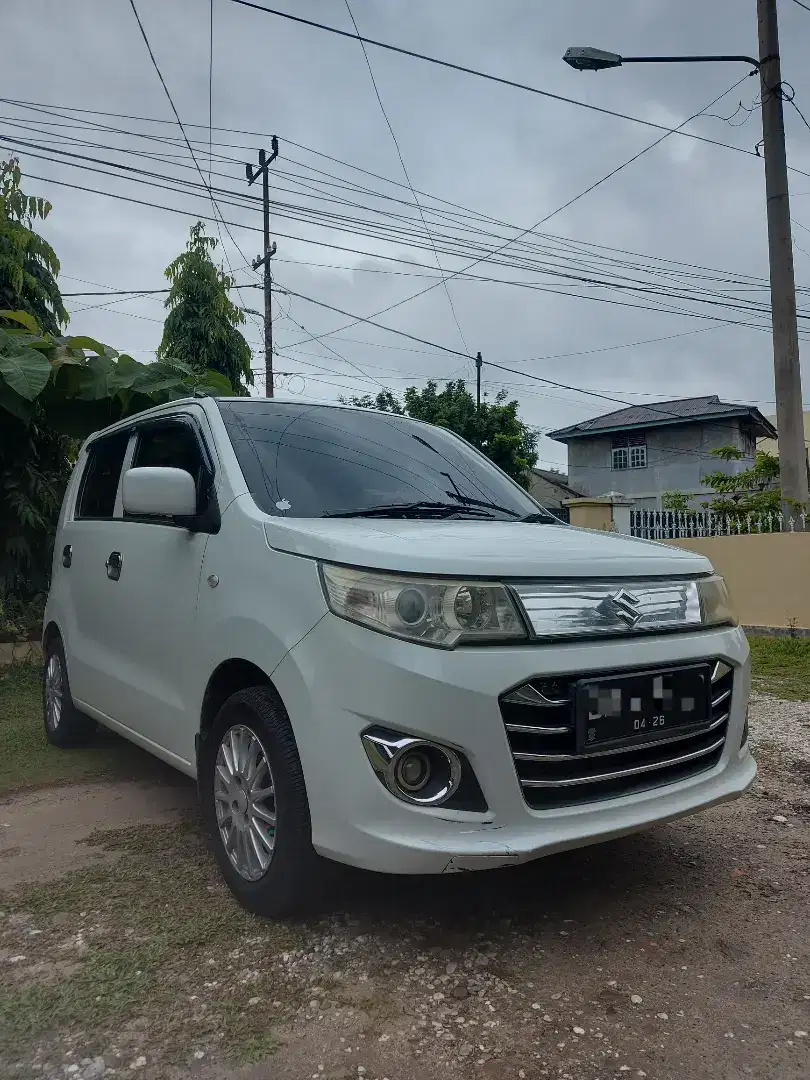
369, 645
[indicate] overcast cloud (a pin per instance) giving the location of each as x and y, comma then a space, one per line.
504, 153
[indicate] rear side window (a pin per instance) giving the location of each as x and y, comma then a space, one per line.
101, 475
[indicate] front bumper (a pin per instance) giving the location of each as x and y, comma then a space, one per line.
342, 679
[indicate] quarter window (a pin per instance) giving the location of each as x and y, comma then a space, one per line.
629, 451
101, 475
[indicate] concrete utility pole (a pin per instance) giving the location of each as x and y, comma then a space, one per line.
787, 371
264, 261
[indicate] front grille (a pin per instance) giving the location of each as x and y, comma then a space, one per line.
539, 719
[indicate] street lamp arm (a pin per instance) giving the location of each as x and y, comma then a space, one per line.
690, 60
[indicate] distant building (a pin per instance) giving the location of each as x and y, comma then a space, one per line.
551, 489
644, 451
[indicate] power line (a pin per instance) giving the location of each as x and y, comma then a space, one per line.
475, 214
407, 177
490, 78
801, 4
633, 286
558, 210
214, 206
358, 319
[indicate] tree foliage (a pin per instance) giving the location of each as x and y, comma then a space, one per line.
55, 391
753, 491
28, 264
201, 327
496, 430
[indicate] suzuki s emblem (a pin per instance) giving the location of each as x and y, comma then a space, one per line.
621, 605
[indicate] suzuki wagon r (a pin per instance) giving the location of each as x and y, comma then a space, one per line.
369, 645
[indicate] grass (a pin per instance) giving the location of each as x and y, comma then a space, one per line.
27, 759
781, 666
162, 941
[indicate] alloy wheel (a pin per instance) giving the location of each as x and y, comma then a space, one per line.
54, 690
245, 801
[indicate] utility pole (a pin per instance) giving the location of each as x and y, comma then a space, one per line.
479, 361
264, 261
787, 371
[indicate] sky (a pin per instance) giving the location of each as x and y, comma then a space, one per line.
487, 161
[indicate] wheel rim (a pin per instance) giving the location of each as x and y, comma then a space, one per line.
54, 689
245, 800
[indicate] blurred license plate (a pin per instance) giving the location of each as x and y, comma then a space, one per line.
629, 709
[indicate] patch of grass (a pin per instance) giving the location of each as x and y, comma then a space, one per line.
27, 759
781, 666
161, 941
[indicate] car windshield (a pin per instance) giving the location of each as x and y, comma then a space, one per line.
302, 460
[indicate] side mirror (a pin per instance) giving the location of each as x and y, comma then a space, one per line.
159, 492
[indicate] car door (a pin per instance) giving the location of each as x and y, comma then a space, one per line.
157, 564
86, 596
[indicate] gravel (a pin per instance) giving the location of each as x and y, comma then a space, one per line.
782, 726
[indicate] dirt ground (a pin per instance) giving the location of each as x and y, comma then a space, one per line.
680, 953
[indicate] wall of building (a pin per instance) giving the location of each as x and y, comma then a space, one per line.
766, 573
677, 458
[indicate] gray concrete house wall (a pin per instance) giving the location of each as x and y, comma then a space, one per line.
678, 455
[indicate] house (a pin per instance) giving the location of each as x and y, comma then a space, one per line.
644, 451
551, 489
769, 446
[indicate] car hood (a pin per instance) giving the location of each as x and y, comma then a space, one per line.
497, 549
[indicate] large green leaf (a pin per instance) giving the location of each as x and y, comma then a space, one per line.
96, 379
84, 342
22, 317
26, 371
15, 405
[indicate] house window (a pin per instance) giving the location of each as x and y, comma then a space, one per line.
629, 451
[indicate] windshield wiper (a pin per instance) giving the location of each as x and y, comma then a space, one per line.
541, 518
414, 509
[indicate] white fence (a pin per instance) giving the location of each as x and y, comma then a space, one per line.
687, 524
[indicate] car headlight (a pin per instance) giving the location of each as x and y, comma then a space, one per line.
715, 603
428, 611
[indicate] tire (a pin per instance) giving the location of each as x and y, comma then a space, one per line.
262, 777
65, 726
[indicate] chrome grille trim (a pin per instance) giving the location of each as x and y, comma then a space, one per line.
584, 609
553, 774
534, 729
615, 750
634, 771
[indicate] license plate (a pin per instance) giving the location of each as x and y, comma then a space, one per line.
629, 709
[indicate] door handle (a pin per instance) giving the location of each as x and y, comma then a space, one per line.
67, 555
115, 560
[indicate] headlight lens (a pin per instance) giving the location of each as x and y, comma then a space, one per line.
715, 602
429, 611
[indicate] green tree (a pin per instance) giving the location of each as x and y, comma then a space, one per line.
201, 327
28, 264
675, 500
755, 490
496, 430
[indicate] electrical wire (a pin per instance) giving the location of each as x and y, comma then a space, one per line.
631, 285
406, 175
214, 206
468, 213
558, 209
491, 78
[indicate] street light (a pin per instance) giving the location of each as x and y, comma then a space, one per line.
584, 58
793, 468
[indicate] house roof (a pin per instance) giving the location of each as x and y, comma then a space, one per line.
660, 413
558, 480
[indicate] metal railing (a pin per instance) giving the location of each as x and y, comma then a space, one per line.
689, 524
